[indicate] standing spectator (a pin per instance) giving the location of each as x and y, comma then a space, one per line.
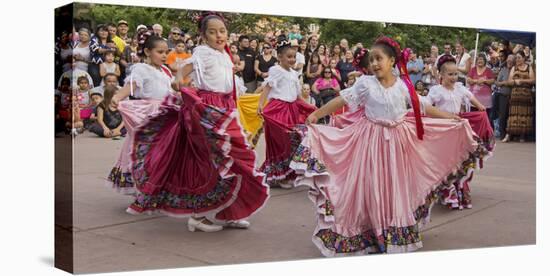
81, 51
100, 44
177, 56
129, 56
312, 46
313, 69
325, 89
157, 30
122, 31
65, 51
303, 47
335, 72
141, 28
254, 45
190, 44
232, 38
247, 56
344, 45
175, 35
262, 64
233, 48
323, 56
337, 53
109, 66
428, 74
494, 64
480, 80
415, 66
300, 59
521, 79
295, 33
345, 67
463, 62
528, 55
502, 95
447, 50
119, 42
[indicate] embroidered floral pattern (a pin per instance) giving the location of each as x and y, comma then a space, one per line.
368, 240
163, 200
303, 155
278, 172
120, 179
211, 119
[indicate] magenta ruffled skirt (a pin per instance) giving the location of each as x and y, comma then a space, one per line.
192, 159
284, 129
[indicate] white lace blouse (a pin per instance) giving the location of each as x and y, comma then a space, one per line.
380, 103
285, 84
212, 69
450, 101
148, 82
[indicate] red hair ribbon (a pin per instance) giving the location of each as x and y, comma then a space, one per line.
401, 62
404, 73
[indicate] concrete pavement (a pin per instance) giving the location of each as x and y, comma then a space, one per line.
108, 239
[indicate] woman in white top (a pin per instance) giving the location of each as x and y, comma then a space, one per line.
149, 83
451, 96
282, 115
374, 181
191, 159
463, 62
81, 51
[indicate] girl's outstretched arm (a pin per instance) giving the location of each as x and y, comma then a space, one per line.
327, 109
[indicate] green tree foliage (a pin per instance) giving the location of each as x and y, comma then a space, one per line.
419, 37
332, 31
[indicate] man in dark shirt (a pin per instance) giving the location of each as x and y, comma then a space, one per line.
248, 56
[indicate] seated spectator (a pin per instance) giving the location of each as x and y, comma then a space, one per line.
177, 56
109, 79
306, 94
109, 120
96, 99
351, 81
421, 90
109, 66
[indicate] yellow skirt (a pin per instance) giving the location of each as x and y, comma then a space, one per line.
247, 105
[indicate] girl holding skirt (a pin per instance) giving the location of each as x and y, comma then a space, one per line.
374, 180
192, 159
451, 96
148, 83
284, 117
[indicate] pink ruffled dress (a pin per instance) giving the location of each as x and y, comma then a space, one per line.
373, 182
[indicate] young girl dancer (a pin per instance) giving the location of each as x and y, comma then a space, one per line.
282, 115
374, 181
191, 159
451, 96
148, 83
